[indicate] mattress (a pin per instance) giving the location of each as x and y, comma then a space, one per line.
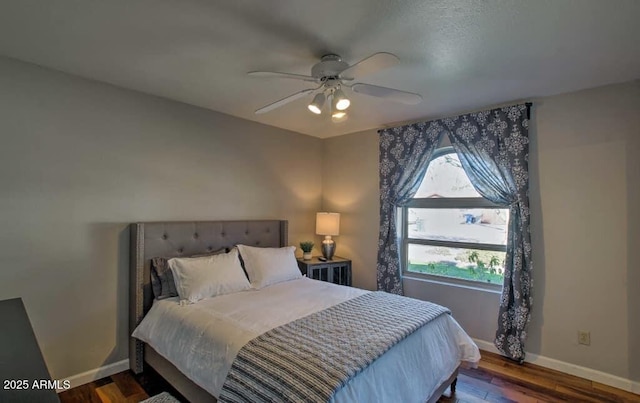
202, 340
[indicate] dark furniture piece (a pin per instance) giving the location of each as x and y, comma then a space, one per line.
336, 271
21, 362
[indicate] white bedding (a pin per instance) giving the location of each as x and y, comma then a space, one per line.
202, 339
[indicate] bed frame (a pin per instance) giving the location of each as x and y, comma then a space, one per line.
187, 238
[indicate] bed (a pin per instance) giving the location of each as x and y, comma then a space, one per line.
396, 373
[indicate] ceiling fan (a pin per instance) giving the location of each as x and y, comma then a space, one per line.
332, 75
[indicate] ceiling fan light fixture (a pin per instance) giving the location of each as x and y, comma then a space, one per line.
341, 102
330, 74
316, 105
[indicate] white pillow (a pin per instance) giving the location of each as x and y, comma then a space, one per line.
266, 266
201, 277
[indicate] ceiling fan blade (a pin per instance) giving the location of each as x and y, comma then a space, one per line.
276, 74
391, 94
284, 101
370, 65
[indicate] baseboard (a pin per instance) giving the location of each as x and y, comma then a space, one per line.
571, 369
97, 373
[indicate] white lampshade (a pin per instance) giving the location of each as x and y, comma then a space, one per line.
328, 223
340, 101
316, 105
337, 115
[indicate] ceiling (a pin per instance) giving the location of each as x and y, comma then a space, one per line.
460, 55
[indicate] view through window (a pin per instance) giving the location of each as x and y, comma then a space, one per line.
450, 230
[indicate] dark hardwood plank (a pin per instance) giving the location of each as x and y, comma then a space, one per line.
110, 393
81, 394
505, 386
623, 394
127, 384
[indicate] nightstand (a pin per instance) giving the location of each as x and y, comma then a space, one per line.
337, 270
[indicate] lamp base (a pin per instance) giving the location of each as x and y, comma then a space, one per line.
328, 247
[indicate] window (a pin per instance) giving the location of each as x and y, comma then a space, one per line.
449, 230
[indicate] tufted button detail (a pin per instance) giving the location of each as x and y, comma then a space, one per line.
180, 250
209, 249
195, 236
164, 236
257, 243
223, 234
268, 230
246, 232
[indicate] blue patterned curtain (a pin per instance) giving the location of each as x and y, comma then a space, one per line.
493, 147
404, 155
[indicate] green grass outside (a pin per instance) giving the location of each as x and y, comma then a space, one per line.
449, 270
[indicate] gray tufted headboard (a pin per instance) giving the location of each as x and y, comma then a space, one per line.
171, 239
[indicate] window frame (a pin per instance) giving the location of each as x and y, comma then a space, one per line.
444, 203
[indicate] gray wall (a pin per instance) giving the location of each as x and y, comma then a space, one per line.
585, 177
633, 243
80, 160
350, 187
581, 233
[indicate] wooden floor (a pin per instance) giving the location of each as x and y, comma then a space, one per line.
498, 379
495, 380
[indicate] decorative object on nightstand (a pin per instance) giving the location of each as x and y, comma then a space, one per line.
336, 271
306, 247
328, 224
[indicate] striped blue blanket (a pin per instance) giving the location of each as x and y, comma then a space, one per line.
310, 359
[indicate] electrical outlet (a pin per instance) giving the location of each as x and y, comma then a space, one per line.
584, 338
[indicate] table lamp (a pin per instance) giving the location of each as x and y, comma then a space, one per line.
328, 224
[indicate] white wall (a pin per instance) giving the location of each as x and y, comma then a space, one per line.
80, 160
584, 200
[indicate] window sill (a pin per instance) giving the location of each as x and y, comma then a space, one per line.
454, 282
